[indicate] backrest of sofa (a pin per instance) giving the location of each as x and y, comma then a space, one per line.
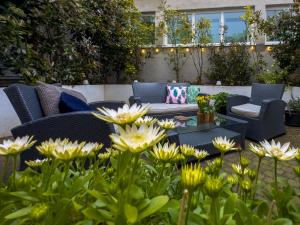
25, 101
150, 92
153, 92
261, 92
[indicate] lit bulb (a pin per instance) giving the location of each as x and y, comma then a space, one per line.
269, 48
143, 51
187, 49
172, 50
157, 50
202, 49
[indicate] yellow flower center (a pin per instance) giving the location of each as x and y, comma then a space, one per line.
123, 117
138, 138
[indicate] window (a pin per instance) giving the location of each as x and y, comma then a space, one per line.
226, 26
273, 12
235, 27
215, 19
148, 21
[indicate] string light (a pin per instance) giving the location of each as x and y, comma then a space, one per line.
157, 50
252, 48
187, 50
269, 48
202, 49
172, 50
143, 51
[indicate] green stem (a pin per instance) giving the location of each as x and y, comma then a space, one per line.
275, 174
188, 207
256, 179
215, 211
52, 168
67, 166
14, 171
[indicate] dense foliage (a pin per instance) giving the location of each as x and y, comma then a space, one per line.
230, 65
143, 179
70, 40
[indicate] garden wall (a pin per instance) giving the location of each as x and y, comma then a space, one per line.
9, 118
157, 67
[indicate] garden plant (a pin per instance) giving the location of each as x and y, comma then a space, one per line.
144, 179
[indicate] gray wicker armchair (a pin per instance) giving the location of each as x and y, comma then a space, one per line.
264, 111
81, 126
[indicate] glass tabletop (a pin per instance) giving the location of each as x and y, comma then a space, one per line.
191, 124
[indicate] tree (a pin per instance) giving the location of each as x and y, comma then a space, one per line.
202, 37
176, 26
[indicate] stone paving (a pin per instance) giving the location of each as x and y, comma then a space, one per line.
285, 169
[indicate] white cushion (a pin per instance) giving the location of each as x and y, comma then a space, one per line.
246, 110
171, 108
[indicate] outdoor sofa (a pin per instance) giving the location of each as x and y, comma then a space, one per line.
81, 126
264, 111
155, 95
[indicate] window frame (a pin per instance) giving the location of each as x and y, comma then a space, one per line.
221, 27
150, 14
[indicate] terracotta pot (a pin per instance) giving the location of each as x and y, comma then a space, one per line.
206, 117
200, 117
211, 117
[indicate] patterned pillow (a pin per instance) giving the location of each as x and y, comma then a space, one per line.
49, 96
176, 95
192, 93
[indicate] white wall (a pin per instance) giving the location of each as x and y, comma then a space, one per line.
9, 118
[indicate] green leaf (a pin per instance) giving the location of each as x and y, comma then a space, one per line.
230, 203
282, 221
93, 214
155, 204
19, 213
24, 195
131, 213
136, 192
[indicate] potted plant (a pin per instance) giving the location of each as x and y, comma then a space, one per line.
206, 109
292, 115
220, 101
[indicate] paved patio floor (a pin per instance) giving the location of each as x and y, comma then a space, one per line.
285, 169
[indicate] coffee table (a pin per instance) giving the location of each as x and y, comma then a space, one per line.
200, 135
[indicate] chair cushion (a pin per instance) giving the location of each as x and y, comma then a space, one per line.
70, 103
161, 108
176, 95
49, 96
192, 93
246, 110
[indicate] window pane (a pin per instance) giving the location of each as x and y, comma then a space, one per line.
215, 19
235, 27
149, 22
177, 32
273, 13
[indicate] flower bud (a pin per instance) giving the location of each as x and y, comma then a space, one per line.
252, 175
213, 186
39, 211
244, 162
246, 185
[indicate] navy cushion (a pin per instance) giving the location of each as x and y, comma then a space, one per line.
70, 103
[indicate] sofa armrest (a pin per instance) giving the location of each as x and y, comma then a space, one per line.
236, 100
135, 100
81, 126
107, 104
272, 108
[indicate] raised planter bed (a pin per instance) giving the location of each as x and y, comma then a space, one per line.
292, 118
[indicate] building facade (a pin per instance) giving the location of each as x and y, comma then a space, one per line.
221, 13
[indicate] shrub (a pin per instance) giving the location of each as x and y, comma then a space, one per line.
294, 104
231, 65
220, 102
69, 40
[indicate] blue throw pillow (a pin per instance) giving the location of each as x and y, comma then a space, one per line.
69, 103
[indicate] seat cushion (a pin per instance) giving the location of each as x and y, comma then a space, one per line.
246, 110
176, 95
160, 108
192, 93
70, 103
49, 96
